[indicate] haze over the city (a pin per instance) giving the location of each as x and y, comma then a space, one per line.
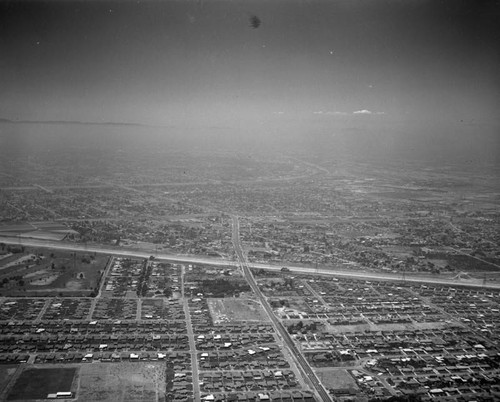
414, 75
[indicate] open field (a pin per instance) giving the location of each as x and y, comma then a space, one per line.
229, 310
39, 270
336, 378
6, 373
37, 383
37, 230
122, 382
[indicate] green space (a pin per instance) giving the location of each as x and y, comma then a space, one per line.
40, 272
6, 373
37, 383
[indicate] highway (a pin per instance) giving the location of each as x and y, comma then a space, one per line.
306, 369
96, 248
476, 283
131, 252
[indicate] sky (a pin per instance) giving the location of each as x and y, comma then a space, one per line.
317, 65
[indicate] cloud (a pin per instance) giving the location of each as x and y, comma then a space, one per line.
368, 112
331, 113
340, 113
337, 113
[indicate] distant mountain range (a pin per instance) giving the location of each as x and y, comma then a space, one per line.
107, 123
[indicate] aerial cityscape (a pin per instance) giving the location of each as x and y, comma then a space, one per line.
223, 201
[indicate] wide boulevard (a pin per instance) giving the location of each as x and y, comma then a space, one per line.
306, 369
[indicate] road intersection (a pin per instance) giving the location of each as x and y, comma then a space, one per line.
193, 259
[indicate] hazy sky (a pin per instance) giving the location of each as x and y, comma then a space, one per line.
320, 63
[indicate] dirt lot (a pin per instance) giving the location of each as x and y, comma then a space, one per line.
122, 382
229, 310
336, 378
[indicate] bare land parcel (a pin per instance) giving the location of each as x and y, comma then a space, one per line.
122, 382
234, 309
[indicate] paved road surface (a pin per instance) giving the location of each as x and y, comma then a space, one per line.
130, 252
277, 323
96, 248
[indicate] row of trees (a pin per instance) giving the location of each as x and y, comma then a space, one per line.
142, 287
12, 249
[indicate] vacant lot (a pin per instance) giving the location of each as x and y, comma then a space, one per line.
37, 383
6, 373
336, 378
229, 310
122, 382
